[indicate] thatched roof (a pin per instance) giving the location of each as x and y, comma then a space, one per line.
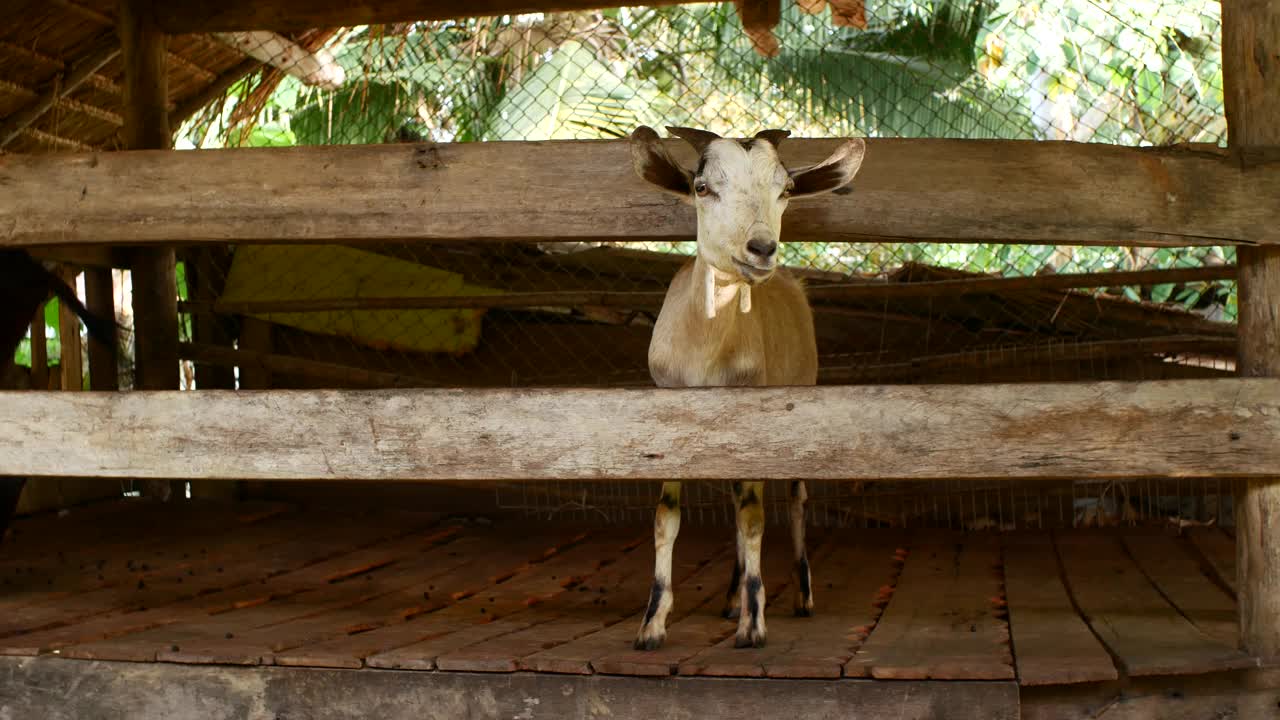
44, 44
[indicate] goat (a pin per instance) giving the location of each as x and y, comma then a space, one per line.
740, 190
24, 285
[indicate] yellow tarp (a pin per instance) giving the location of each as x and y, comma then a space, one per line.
294, 272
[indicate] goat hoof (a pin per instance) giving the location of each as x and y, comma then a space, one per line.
753, 639
649, 643
804, 612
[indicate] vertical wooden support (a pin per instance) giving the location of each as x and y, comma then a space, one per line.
146, 127
71, 364
256, 335
155, 285
39, 351
207, 269
1251, 79
100, 300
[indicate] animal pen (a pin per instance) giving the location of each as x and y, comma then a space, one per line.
405, 265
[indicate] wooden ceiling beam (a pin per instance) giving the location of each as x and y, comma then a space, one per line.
200, 16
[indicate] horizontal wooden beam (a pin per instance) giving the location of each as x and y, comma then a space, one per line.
654, 298
230, 15
1190, 428
908, 191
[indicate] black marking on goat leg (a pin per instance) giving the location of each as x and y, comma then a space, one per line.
748, 499
753, 598
795, 488
671, 503
802, 576
752, 616
734, 580
655, 599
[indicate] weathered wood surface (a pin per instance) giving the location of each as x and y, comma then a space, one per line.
1251, 92
146, 127
987, 191
1051, 430
100, 690
852, 587
1244, 695
233, 15
942, 621
1169, 564
1219, 550
1142, 630
1054, 645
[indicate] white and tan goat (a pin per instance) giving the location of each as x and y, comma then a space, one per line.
731, 317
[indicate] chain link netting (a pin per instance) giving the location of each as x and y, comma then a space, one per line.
1141, 73
1147, 73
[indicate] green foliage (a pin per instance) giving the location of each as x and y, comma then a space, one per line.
1143, 72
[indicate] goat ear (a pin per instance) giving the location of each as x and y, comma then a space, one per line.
699, 139
773, 137
833, 173
653, 163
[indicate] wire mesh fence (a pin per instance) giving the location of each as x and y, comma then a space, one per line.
940, 504
1140, 73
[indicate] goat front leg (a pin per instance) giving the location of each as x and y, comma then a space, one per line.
732, 597
800, 572
666, 526
751, 630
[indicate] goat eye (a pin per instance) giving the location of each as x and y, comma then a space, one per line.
701, 189
786, 191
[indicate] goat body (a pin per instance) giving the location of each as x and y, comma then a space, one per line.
732, 318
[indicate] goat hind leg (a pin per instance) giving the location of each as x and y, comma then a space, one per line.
666, 526
800, 579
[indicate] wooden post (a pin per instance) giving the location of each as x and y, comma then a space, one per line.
72, 366
1251, 80
146, 127
100, 300
207, 270
39, 351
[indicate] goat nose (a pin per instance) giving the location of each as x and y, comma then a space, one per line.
762, 248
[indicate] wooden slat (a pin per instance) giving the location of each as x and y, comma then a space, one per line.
90, 556
466, 591
304, 15
1052, 643
226, 627
982, 191
699, 597
138, 636
1141, 629
1168, 564
1082, 430
532, 583
607, 597
941, 621
1219, 550
722, 659
119, 609
849, 588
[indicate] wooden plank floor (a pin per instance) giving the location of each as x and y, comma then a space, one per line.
269, 584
